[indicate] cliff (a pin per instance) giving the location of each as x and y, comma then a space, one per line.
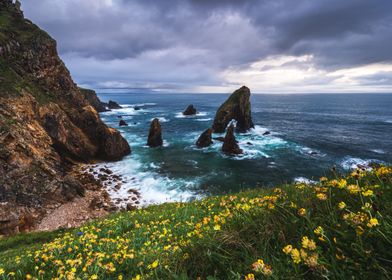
46, 122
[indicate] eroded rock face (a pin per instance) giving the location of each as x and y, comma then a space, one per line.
9, 219
205, 139
236, 107
155, 134
45, 121
230, 144
189, 111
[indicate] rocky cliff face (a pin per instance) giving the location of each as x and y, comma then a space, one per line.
236, 107
46, 122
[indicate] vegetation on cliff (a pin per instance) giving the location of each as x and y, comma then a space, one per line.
337, 228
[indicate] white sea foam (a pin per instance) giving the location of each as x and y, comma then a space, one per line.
161, 119
203, 120
180, 115
304, 180
153, 187
349, 163
378, 151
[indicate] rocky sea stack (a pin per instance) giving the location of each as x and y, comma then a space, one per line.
189, 111
205, 139
230, 144
155, 134
47, 123
236, 107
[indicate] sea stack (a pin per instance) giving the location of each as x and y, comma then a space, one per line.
205, 139
155, 135
230, 145
236, 107
189, 111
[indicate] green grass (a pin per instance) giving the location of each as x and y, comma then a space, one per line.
293, 232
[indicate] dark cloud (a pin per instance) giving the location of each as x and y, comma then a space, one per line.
192, 42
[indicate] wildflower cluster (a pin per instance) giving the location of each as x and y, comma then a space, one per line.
338, 225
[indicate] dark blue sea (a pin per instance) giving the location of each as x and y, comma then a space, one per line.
310, 134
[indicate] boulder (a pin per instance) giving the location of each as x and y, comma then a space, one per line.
205, 139
230, 145
113, 105
189, 111
236, 107
122, 123
155, 134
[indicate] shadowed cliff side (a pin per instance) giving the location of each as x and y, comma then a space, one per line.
46, 123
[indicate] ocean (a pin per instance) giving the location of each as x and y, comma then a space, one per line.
309, 135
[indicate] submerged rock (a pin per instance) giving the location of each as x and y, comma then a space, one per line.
230, 145
113, 105
236, 107
189, 111
205, 139
122, 123
155, 134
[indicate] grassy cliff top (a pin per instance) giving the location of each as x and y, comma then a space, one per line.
338, 228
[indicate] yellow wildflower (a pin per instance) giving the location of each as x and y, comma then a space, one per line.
137, 277
287, 249
312, 260
319, 230
302, 212
308, 243
341, 205
94, 277
353, 189
217, 227
28, 277
155, 264
250, 276
295, 255
2, 271
323, 179
367, 193
322, 196
372, 222
342, 183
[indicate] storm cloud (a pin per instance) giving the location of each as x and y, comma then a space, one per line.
214, 46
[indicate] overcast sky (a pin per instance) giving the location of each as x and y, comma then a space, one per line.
272, 46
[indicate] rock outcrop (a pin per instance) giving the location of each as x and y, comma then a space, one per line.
189, 111
113, 105
155, 134
230, 144
46, 122
92, 98
236, 107
205, 139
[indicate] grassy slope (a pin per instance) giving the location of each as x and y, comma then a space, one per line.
223, 237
